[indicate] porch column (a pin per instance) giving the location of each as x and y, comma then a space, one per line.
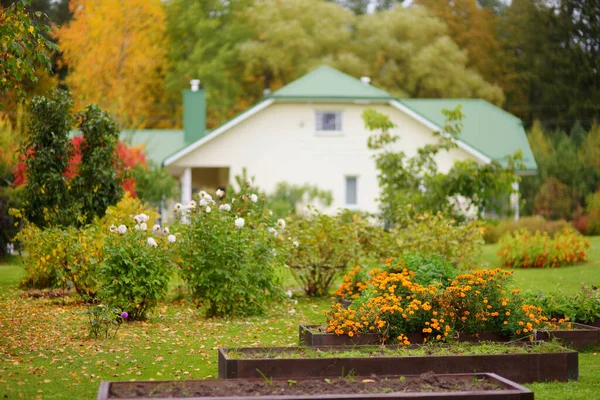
514, 200
186, 186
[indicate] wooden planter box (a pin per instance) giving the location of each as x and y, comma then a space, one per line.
580, 337
522, 368
317, 335
507, 390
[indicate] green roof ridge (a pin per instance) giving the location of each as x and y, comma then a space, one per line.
328, 83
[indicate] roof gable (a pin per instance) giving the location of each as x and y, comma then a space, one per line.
328, 83
486, 128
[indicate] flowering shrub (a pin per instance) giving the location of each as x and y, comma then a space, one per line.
135, 272
461, 243
323, 245
228, 252
494, 230
392, 304
521, 249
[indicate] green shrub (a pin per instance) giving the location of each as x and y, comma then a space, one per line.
429, 269
323, 247
228, 253
288, 197
494, 230
592, 210
135, 272
460, 243
43, 253
522, 249
581, 307
554, 200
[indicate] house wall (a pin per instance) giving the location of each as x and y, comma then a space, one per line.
280, 143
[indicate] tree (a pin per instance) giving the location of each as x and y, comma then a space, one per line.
97, 184
203, 37
22, 47
553, 52
360, 7
48, 199
408, 52
116, 54
154, 183
474, 29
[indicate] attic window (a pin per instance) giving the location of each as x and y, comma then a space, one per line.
329, 121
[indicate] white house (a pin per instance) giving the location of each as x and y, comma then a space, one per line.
311, 131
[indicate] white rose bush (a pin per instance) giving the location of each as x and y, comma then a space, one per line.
136, 270
228, 253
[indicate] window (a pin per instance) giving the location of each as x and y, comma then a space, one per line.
329, 121
351, 190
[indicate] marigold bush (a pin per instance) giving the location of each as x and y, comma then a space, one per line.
392, 304
522, 249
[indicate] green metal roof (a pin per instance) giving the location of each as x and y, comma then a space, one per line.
158, 143
486, 128
328, 83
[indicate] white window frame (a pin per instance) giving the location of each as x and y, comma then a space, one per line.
346, 187
328, 132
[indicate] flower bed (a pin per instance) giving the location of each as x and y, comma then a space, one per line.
580, 337
427, 386
535, 363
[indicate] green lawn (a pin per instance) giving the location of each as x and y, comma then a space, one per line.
45, 354
565, 279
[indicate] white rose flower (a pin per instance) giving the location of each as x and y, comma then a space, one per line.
220, 193
202, 193
137, 219
249, 182
112, 228
208, 197
295, 243
253, 198
152, 242
289, 293
178, 207
143, 226
136, 227
156, 228
239, 222
192, 204
281, 223
166, 230
122, 229
232, 201
208, 209
203, 202
270, 213
171, 238
224, 207
273, 231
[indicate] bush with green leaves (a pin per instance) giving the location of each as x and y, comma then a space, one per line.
322, 247
229, 252
583, 307
136, 269
287, 197
429, 269
461, 243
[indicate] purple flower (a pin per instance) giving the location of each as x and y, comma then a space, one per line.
124, 315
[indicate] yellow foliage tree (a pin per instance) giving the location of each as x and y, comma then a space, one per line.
116, 54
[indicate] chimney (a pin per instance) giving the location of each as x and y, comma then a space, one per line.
194, 112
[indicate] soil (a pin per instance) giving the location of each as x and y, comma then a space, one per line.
428, 382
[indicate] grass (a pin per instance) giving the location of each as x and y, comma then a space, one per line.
45, 352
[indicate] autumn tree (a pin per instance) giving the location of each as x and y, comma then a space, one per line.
23, 47
115, 52
409, 53
475, 30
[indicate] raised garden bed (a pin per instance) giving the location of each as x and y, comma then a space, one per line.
427, 386
521, 363
317, 335
581, 337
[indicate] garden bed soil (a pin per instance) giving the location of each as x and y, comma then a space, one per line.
581, 337
523, 368
426, 386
